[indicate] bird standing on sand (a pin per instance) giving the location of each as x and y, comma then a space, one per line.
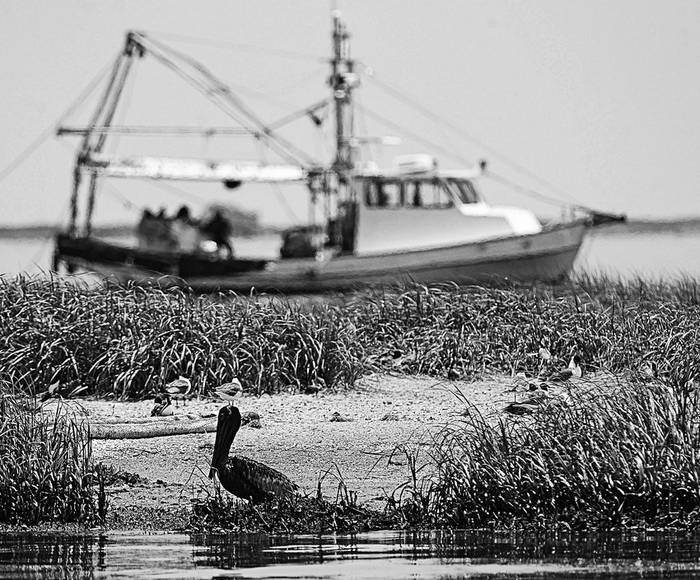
162, 406
241, 476
229, 391
179, 389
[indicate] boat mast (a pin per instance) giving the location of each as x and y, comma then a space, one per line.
93, 142
343, 80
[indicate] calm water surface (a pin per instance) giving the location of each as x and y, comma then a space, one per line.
617, 253
373, 555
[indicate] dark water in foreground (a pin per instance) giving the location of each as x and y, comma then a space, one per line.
373, 555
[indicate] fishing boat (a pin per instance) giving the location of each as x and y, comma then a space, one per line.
415, 220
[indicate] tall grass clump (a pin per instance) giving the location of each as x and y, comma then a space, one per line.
46, 470
613, 325
604, 457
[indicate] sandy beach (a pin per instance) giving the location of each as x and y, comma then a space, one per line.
298, 435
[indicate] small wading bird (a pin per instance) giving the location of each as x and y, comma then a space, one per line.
243, 477
573, 371
179, 389
162, 406
229, 391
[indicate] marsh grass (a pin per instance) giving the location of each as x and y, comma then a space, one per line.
127, 342
219, 511
613, 325
46, 471
608, 455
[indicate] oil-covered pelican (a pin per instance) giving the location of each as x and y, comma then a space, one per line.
241, 476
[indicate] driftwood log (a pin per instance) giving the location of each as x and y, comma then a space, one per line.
156, 427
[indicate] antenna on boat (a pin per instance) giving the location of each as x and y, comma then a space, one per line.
342, 81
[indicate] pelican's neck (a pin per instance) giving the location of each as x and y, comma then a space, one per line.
226, 430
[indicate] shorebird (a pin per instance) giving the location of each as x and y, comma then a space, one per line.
574, 370
544, 354
179, 389
52, 391
649, 369
241, 476
229, 391
162, 406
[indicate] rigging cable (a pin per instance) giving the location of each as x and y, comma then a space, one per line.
528, 191
185, 130
283, 202
401, 96
46, 133
126, 202
207, 90
306, 111
241, 46
362, 123
416, 136
218, 88
487, 172
282, 89
449, 153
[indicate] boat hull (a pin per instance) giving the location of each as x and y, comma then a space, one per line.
547, 256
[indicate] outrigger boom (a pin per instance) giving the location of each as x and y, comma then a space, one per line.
227, 173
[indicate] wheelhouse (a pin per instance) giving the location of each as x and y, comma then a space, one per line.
417, 209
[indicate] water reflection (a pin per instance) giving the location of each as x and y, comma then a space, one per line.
39, 555
372, 555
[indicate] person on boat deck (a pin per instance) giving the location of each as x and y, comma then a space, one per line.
219, 230
153, 231
146, 230
185, 231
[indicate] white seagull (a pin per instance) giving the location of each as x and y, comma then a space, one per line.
229, 391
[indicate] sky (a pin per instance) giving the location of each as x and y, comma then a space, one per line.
587, 101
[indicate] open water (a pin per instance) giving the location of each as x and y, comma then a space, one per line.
392, 555
617, 252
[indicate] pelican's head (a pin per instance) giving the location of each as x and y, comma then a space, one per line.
228, 424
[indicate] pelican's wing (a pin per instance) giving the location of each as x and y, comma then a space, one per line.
261, 479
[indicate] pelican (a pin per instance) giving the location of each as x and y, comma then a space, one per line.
229, 391
243, 477
162, 406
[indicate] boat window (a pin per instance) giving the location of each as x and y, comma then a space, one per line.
415, 194
382, 193
431, 194
427, 194
371, 193
467, 193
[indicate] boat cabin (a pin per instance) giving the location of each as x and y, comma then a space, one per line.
424, 209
